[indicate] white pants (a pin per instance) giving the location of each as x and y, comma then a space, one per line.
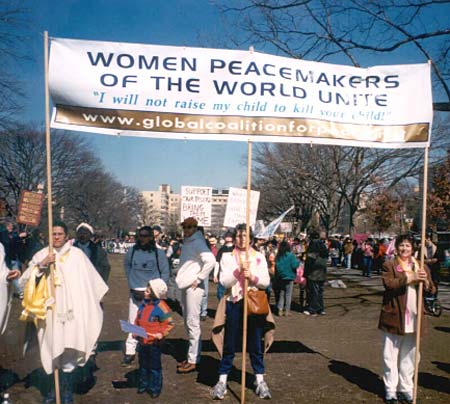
131, 343
398, 363
191, 302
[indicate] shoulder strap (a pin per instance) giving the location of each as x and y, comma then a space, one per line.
132, 254
157, 260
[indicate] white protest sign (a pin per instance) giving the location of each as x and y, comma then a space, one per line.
235, 212
286, 227
196, 202
214, 94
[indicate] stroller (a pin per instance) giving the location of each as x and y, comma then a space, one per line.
432, 304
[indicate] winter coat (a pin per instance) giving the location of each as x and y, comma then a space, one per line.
196, 261
286, 267
392, 316
316, 261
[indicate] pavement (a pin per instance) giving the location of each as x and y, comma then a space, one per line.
375, 282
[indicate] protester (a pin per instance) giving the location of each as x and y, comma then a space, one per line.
398, 320
271, 253
348, 250
142, 263
285, 271
93, 251
368, 254
431, 258
334, 250
196, 263
173, 253
315, 273
211, 244
76, 290
6, 276
379, 255
157, 231
226, 248
155, 317
13, 245
227, 329
32, 243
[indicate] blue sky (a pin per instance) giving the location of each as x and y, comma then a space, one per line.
143, 163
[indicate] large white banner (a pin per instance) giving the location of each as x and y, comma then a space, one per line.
236, 210
196, 202
212, 94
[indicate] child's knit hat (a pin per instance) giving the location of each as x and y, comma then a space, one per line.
159, 287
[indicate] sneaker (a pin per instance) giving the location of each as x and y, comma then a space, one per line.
390, 400
404, 398
127, 360
323, 313
306, 313
219, 391
262, 390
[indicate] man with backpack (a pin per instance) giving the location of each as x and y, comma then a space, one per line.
143, 262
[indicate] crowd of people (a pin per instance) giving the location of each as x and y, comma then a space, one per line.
162, 271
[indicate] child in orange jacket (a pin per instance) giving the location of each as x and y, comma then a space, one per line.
155, 317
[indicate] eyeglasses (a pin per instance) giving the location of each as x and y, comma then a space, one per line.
144, 235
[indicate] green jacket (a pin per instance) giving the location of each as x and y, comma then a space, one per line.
286, 267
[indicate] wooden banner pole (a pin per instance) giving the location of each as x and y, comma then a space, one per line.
422, 261
49, 189
247, 246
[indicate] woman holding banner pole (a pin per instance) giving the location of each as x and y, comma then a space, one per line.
227, 327
399, 319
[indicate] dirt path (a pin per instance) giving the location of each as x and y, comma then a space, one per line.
329, 359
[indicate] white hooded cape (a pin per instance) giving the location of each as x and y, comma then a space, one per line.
5, 292
70, 331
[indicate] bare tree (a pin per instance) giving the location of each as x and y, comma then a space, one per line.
14, 20
349, 31
295, 175
328, 179
382, 209
81, 187
439, 197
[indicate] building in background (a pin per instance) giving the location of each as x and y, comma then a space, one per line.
219, 205
162, 207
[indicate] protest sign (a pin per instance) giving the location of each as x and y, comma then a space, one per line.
212, 94
235, 212
286, 227
196, 202
30, 207
133, 329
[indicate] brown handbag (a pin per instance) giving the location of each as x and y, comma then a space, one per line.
257, 302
